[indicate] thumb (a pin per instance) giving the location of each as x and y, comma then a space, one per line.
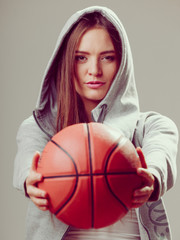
141, 157
35, 161
34, 177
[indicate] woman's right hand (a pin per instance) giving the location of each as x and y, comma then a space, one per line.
38, 196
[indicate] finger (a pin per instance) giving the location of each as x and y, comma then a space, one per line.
141, 157
36, 192
137, 205
44, 208
141, 196
138, 201
143, 192
35, 161
33, 178
40, 203
148, 178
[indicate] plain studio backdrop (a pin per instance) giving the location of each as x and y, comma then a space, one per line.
29, 30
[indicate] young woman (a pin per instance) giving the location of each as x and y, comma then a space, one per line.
90, 77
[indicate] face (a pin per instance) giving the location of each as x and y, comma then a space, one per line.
96, 65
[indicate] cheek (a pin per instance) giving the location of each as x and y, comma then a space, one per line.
75, 84
76, 80
111, 72
79, 73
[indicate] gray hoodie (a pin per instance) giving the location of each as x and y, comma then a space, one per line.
157, 135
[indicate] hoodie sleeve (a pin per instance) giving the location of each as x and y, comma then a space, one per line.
30, 139
157, 135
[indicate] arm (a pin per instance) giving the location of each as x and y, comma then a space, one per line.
30, 139
149, 183
158, 137
38, 196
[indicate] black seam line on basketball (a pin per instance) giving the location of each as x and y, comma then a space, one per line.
105, 171
75, 187
91, 171
88, 174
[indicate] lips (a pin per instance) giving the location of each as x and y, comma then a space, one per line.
95, 84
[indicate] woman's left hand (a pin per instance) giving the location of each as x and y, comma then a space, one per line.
143, 194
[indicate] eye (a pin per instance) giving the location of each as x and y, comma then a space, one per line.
80, 58
108, 58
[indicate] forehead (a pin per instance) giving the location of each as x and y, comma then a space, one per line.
95, 38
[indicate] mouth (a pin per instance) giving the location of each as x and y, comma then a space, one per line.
95, 84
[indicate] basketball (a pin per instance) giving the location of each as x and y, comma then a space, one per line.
89, 173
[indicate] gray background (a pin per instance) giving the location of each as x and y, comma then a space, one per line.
28, 32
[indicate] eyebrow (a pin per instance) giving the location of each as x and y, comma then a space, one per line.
104, 52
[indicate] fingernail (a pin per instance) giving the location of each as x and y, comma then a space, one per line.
42, 194
39, 176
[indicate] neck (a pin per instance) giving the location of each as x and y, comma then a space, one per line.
89, 106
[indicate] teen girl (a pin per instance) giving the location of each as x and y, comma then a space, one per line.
90, 77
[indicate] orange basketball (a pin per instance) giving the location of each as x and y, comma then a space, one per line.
89, 174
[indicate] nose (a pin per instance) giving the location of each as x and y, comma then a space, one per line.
95, 68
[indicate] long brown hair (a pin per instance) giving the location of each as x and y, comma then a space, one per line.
70, 108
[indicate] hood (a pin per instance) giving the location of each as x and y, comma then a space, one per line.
119, 108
